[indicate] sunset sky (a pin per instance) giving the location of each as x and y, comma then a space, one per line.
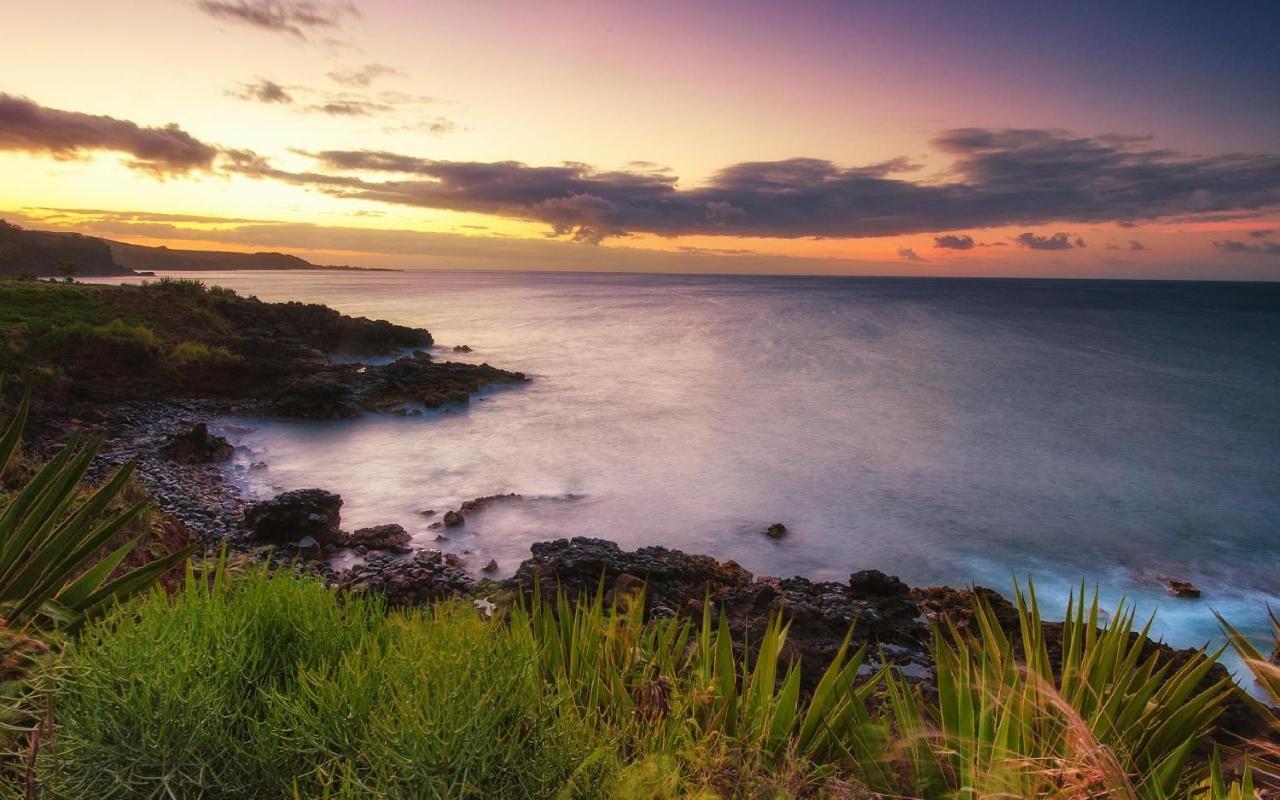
1066, 139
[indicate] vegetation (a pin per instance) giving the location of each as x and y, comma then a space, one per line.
167, 338
67, 555
270, 685
51, 537
262, 683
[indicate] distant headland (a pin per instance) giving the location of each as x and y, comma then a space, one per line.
56, 253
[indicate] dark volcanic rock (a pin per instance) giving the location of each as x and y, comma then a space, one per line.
338, 391
294, 515
461, 348
197, 446
776, 531
480, 502
425, 576
323, 396
820, 613
379, 537
452, 519
1185, 589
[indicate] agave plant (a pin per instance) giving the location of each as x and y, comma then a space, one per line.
51, 536
1101, 719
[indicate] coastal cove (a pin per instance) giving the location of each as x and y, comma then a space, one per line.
950, 432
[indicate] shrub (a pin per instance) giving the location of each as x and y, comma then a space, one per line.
197, 355
274, 686
270, 686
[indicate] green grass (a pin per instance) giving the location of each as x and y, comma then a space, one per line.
270, 685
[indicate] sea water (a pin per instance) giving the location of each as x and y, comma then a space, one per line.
944, 430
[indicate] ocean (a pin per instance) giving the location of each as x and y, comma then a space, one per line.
951, 431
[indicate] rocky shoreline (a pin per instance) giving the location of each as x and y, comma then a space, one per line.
270, 359
893, 619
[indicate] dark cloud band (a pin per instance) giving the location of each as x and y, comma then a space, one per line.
31, 128
997, 178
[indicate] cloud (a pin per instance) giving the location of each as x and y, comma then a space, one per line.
996, 178
1262, 248
907, 254
349, 108
1134, 244
262, 91
294, 18
1262, 234
141, 216
436, 126
28, 127
363, 76
953, 242
1058, 241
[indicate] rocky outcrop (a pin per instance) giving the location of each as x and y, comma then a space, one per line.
293, 516
380, 537
479, 503
820, 613
197, 446
426, 576
339, 391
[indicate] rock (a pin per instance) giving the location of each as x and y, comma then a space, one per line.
309, 548
453, 519
258, 466
820, 613
461, 348
480, 502
291, 516
776, 531
428, 512
492, 566
1179, 588
197, 446
321, 396
380, 537
874, 583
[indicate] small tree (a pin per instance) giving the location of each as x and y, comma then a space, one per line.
68, 270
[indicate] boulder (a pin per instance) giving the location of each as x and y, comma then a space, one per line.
461, 348
480, 502
197, 446
453, 519
292, 516
321, 396
380, 537
1187, 589
776, 531
309, 548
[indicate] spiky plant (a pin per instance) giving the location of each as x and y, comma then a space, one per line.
51, 537
1099, 720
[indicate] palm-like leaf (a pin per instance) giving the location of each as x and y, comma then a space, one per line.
50, 539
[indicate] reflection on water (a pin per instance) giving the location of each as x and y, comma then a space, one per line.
946, 431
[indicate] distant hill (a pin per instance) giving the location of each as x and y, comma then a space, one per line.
44, 254
138, 257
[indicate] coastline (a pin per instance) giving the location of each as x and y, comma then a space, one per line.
878, 610
291, 376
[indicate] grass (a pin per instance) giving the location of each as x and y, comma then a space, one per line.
270, 685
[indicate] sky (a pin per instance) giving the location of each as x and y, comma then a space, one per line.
1089, 139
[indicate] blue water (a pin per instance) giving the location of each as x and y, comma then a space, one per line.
948, 431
